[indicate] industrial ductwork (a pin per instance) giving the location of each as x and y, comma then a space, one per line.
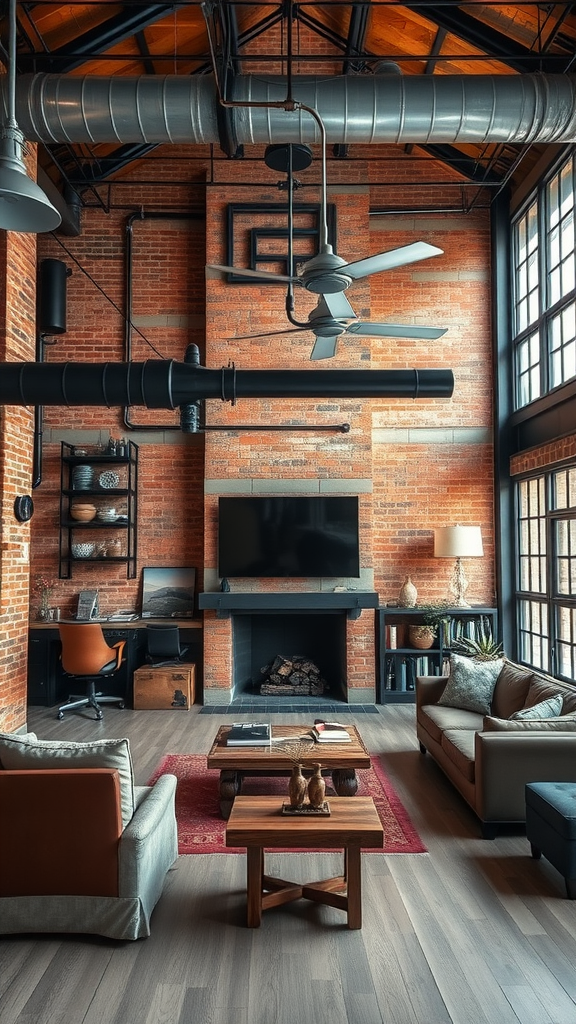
166, 384
354, 109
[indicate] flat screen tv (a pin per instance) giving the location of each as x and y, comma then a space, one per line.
293, 536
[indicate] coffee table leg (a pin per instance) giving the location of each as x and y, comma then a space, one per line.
254, 871
352, 869
344, 781
230, 786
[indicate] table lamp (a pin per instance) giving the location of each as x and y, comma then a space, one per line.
458, 542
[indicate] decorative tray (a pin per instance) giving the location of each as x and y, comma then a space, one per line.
307, 811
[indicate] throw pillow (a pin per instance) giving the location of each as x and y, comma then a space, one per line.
549, 708
471, 684
20, 752
565, 723
511, 690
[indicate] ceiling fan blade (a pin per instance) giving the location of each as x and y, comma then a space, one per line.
324, 348
268, 334
391, 259
336, 305
261, 275
395, 331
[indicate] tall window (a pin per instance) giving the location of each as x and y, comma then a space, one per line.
546, 584
544, 288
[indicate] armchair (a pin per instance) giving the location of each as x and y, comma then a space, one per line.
67, 863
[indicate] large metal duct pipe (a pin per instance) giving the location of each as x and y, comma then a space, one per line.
166, 384
355, 109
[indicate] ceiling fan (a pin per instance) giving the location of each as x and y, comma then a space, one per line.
327, 274
333, 316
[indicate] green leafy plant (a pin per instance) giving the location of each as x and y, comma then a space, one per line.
483, 647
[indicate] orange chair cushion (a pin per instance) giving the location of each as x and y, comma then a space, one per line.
60, 832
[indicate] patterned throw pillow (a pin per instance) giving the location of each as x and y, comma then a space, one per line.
550, 708
471, 684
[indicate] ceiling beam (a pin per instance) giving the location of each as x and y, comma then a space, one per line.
99, 39
463, 164
493, 43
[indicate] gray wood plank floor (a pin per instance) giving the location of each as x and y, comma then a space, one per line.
473, 932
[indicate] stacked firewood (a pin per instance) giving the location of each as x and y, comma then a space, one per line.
292, 677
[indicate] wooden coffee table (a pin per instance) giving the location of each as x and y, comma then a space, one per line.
257, 822
340, 760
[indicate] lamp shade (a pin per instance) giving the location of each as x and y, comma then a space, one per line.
458, 542
23, 204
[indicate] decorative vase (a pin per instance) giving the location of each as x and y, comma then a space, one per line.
44, 609
297, 787
408, 594
316, 788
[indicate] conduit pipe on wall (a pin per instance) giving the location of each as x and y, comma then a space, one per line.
166, 384
354, 109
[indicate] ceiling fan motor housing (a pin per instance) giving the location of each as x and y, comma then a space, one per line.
321, 275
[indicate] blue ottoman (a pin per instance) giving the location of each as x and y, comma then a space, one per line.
551, 827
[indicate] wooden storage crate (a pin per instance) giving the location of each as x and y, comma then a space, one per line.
159, 689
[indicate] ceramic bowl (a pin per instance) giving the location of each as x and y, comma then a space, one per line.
108, 479
82, 550
107, 515
83, 513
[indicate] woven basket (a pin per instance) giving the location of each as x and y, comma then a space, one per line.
420, 637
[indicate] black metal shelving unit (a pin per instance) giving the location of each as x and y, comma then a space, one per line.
398, 664
95, 531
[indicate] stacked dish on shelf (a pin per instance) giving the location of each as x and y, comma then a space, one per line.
82, 478
107, 515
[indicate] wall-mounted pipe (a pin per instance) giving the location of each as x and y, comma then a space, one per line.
354, 109
166, 384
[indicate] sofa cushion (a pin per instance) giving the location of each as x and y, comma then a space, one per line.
549, 708
471, 684
542, 687
436, 719
458, 745
20, 752
511, 690
565, 723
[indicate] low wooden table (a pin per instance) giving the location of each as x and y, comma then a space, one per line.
340, 760
257, 822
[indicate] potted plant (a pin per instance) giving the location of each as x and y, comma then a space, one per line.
423, 634
482, 647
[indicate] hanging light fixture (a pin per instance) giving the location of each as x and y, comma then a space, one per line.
23, 204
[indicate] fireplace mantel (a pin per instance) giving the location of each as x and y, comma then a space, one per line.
227, 603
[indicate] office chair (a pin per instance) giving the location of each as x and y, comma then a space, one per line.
163, 646
87, 656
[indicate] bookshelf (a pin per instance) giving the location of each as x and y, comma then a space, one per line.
399, 662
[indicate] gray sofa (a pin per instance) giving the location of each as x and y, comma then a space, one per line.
488, 755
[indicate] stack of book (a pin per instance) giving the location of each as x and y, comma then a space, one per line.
249, 734
330, 732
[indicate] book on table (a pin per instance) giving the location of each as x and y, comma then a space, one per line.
248, 734
330, 732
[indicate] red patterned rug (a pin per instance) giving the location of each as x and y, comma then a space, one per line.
201, 828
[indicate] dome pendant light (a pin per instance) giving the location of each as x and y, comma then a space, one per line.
23, 204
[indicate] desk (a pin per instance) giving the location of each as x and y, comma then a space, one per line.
47, 684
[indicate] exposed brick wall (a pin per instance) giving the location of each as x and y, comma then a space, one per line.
423, 463
547, 455
17, 341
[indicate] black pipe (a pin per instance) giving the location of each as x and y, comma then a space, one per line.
165, 384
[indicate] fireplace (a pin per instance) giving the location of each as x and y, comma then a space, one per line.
258, 639
327, 627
